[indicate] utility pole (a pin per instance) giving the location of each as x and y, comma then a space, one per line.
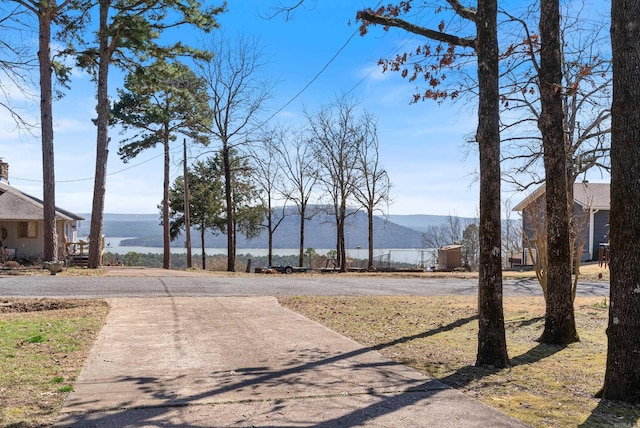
187, 219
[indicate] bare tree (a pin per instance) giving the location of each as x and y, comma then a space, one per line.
374, 182
566, 93
535, 238
446, 233
622, 375
586, 99
337, 132
300, 168
435, 237
471, 245
238, 92
455, 230
269, 176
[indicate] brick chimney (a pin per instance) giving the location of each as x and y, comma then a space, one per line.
4, 171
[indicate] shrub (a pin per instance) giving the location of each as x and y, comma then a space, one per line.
12, 264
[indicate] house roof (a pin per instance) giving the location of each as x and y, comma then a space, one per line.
17, 206
593, 195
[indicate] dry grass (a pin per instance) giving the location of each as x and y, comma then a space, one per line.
548, 386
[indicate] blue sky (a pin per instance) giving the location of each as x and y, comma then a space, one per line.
422, 145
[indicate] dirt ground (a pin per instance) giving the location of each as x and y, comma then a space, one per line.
37, 305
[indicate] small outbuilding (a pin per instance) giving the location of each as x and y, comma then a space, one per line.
450, 257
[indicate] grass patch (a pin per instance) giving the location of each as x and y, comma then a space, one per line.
548, 386
43, 344
38, 338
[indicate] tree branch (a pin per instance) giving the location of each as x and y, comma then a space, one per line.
285, 10
368, 16
464, 12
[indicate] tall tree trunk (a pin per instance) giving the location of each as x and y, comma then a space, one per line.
303, 210
166, 236
231, 243
102, 141
338, 262
187, 203
622, 375
49, 235
343, 241
492, 344
370, 241
560, 326
204, 256
270, 229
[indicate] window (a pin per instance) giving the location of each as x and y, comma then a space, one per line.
27, 229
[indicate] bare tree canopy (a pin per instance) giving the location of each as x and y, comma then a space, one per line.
268, 167
374, 184
337, 132
301, 173
238, 91
17, 62
586, 96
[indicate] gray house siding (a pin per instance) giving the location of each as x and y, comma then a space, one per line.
600, 230
591, 214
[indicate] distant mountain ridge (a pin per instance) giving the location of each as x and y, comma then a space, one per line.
421, 222
394, 231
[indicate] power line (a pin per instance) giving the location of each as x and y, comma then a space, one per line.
285, 105
91, 178
318, 74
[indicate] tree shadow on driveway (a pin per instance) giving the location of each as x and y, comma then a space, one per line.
394, 393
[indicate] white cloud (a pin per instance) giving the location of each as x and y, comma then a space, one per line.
373, 73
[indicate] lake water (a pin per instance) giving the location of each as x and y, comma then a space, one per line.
418, 257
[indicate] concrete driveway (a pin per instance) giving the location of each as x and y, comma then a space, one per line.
247, 361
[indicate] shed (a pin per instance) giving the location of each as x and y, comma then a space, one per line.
450, 257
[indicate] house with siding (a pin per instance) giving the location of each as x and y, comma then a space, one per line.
591, 205
22, 223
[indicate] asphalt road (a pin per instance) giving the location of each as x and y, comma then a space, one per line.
261, 285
